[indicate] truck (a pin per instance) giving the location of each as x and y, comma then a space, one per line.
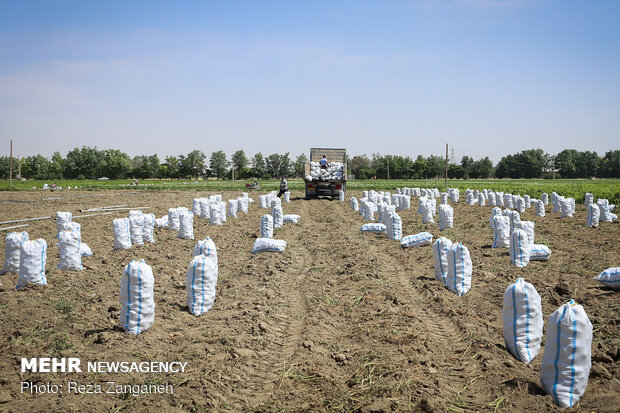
326, 185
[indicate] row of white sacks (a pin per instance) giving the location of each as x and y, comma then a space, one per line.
566, 360
137, 298
265, 200
27, 258
386, 205
335, 170
601, 211
268, 222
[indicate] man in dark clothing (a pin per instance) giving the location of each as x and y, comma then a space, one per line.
283, 187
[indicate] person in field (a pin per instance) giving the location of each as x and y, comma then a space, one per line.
324, 163
283, 187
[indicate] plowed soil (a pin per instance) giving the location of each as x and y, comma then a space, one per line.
340, 321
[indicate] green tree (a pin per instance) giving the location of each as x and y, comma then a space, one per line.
455, 171
435, 166
300, 165
258, 166
218, 164
171, 167
114, 164
83, 163
35, 167
193, 165
239, 162
610, 165
4, 167
482, 168
57, 165
467, 164
566, 163
587, 164
358, 164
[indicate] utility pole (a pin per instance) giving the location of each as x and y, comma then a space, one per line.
446, 177
11, 167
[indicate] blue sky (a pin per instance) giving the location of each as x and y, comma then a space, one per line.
400, 77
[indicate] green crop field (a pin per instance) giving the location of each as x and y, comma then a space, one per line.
576, 188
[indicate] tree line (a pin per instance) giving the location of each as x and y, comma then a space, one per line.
91, 163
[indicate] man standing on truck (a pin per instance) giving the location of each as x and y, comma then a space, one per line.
283, 186
324, 163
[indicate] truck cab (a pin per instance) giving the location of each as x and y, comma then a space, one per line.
330, 182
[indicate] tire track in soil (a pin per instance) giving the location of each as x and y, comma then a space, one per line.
454, 369
281, 332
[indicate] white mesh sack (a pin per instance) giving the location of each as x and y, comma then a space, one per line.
222, 210
268, 245
122, 236
567, 358
481, 200
444, 198
495, 211
446, 217
520, 204
566, 208
539, 252
440, 258
610, 277
201, 279
354, 204
519, 248
215, 216
186, 225
205, 209
604, 211
594, 215
136, 224
499, 199
460, 267
72, 226
394, 227
196, 206
232, 208
161, 222
539, 208
508, 201
589, 199
427, 213
173, 219
262, 201
544, 198
278, 216
501, 231
290, 218
137, 312
515, 218
340, 196
528, 227
206, 247
523, 320
69, 248
527, 200
147, 228
85, 250
417, 240
33, 257
492, 202
13, 242
266, 226
61, 219
377, 228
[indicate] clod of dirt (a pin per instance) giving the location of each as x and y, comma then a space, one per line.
111, 309
262, 327
379, 406
509, 363
307, 344
432, 370
100, 339
562, 288
243, 352
599, 371
5, 396
340, 358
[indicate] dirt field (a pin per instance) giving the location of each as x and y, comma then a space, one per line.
341, 321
